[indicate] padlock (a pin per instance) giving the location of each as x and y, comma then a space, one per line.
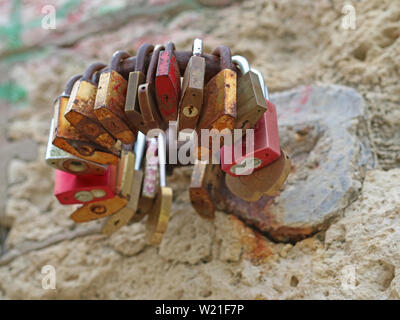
64, 161
266, 181
122, 191
168, 84
136, 78
134, 211
219, 108
158, 217
235, 161
205, 181
67, 138
79, 110
192, 89
71, 189
109, 106
146, 92
251, 104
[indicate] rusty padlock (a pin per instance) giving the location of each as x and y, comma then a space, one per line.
109, 106
168, 84
79, 111
251, 103
206, 180
122, 192
64, 161
158, 217
219, 108
266, 146
136, 78
146, 92
67, 138
266, 181
192, 89
72, 189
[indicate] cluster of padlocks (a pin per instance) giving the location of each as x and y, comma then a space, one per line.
102, 124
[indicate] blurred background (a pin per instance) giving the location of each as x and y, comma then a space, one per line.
293, 42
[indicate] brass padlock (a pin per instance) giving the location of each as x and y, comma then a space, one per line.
109, 106
159, 215
192, 89
67, 138
206, 180
132, 211
123, 187
136, 78
250, 103
146, 91
79, 111
265, 181
62, 160
219, 108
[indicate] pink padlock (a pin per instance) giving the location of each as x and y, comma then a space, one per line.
82, 189
234, 159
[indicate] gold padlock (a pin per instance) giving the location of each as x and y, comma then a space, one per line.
131, 211
159, 215
79, 111
192, 89
67, 138
251, 103
146, 92
136, 78
110, 101
265, 181
206, 180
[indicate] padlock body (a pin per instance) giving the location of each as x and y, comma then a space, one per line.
266, 146
110, 104
99, 209
205, 180
251, 103
79, 113
149, 108
267, 180
192, 93
219, 108
73, 189
132, 108
64, 161
168, 86
67, 138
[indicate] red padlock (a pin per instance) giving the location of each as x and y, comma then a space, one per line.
168, 84
234, 159
82, 189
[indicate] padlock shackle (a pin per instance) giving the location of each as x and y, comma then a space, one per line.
182, 57
197, 47
151, 72
139, 149
116, 59
162, 158
170, 47
142, 53
89, 72
262, 83
242, 63
70, 84
225, 57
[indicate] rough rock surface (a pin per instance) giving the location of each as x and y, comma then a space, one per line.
293, 43
324, 131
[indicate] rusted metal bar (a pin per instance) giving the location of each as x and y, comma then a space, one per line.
182, 57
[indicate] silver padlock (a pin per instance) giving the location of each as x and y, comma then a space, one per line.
61, 160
